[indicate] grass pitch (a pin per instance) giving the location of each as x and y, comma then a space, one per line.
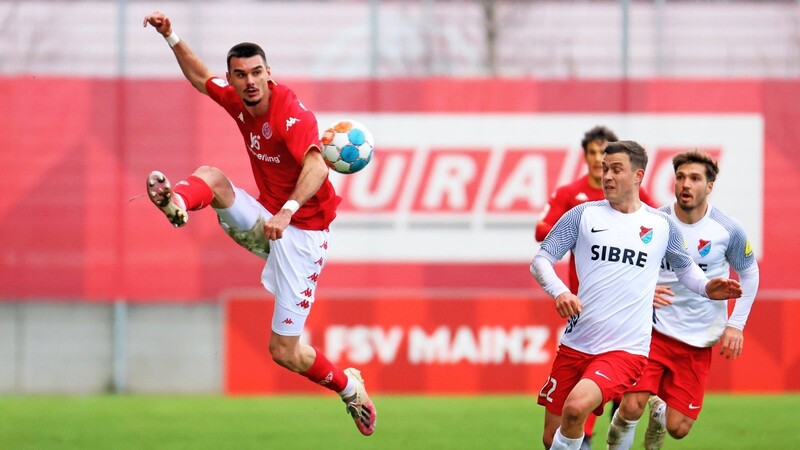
320, 422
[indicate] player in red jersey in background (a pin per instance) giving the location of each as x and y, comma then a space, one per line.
288, 224
585, 189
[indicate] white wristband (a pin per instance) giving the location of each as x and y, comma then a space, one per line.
291, 205
173, 39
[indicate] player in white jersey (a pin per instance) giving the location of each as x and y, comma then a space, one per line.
684, 332
618, 245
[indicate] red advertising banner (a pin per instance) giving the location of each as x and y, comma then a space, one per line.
468, 345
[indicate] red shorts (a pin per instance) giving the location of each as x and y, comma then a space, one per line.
614, 372
677, 372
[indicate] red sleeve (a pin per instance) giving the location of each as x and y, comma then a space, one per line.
219, 91
646, 198
299, 129
556, 208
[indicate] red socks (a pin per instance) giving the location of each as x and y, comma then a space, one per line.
194, 192
323, 372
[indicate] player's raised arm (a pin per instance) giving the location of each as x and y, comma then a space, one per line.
192, 66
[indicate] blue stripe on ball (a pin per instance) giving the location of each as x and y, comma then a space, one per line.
356, 136
358, 165
349, 153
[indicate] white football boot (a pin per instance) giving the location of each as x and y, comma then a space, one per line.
360, 406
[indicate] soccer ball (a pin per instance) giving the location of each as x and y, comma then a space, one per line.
347, 146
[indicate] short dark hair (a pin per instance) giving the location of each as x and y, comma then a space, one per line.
246, 50
695, 156
598, 133
635, 152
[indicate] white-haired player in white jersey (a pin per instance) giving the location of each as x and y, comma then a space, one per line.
618, 245
683, 333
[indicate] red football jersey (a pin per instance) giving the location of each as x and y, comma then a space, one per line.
567, 197
276, 143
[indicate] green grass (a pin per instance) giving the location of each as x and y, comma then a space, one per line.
320, 423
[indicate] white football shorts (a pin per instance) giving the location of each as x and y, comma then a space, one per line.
295, 262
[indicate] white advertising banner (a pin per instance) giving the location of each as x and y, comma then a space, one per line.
471, 187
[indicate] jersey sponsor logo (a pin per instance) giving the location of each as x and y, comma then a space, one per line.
267, 158
704, 247
646, 234
598, 230
219, 82
621, 255
266, 130
748, 250
255, 148
255, 143
291, 121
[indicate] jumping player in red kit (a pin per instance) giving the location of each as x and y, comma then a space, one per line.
288, 223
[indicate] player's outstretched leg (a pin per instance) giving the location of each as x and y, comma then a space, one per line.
160, 193
656, 426
359, 405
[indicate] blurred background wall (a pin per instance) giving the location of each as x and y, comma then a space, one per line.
478, 108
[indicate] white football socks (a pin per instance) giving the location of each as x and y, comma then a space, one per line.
620, 433
348, 390
561, 442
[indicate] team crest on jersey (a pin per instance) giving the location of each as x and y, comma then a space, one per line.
646, 234
266, 130
703, 247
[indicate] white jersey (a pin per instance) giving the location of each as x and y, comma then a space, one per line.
617, 259
716, 242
